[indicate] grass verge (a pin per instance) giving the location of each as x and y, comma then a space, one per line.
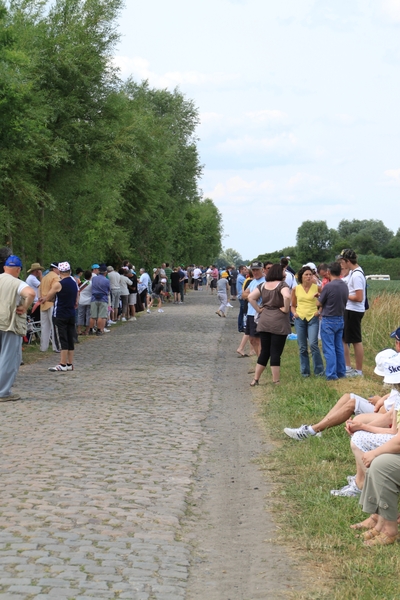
316, 524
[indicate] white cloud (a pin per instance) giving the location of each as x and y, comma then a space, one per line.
267, 116
139, 68
279, 144
391, 9
393, 177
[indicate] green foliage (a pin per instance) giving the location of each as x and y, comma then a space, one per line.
315, 241
229, 258
92, 169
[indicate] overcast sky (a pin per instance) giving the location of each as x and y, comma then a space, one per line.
299, 103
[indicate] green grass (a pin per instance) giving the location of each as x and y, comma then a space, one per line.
377, 287
315, 523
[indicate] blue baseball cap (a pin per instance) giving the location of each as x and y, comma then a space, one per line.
13, 261
95, 266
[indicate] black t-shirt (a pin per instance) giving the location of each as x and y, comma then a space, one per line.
158, 288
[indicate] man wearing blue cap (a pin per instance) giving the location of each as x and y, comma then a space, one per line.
15, 298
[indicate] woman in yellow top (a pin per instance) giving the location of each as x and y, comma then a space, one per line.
306, 316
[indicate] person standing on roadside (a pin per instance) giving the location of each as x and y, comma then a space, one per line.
241, 278
214, 278
251, 327
99, 301
355, 309
332, 303
15, 298
33, 280
46, 309
66, 294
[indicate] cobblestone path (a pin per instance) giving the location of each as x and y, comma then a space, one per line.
97, 464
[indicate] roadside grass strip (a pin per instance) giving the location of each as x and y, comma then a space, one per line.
315, 524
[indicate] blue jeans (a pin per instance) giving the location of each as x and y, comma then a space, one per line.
308, 330
332, 346
240, 317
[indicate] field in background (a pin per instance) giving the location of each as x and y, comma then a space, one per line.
315, 523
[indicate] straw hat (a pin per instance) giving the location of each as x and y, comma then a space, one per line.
35, 267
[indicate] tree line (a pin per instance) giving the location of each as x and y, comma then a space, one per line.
377, 246
93, 168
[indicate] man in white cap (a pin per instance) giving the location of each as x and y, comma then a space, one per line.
374, 409
15, 299
65, 293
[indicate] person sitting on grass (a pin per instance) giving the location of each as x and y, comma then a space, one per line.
380, 494
352, 404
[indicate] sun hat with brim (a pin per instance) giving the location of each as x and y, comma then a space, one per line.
392, 371
64, 267
13, 261
381, 358
311, 265
35, 267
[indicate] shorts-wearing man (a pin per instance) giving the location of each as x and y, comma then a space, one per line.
251, 326
355, 309
99, 302
15, 298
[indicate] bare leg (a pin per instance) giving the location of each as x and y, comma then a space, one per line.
255, 344
360, 475
258, 372
339, 414
242, 344
70, 357
359, 355
275, 374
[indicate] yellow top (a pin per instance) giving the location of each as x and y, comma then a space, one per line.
306, 301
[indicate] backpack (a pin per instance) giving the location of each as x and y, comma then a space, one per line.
366, 303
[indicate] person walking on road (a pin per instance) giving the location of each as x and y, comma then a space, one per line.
222, 291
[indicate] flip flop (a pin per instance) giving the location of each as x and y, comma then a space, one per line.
241, 355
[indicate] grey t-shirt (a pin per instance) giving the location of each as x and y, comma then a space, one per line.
222, 285
334, 298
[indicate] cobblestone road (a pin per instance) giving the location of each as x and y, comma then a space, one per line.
96, 464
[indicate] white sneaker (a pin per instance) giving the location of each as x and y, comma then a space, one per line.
230, 305
123, 319
301, 433
134, 319
109, 323
347, 491
353, 373
148, 310
106, 330
160, 310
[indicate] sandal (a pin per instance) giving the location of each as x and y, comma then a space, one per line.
358, 526
370, 534
241, 354
382, 540
254, 383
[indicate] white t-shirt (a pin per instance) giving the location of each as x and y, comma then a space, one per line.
197, 273
290, 279
34, 283
21, 286
85, 296
356, 281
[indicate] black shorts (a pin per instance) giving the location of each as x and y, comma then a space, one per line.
64, 332
352, 327
213, 284
251, 326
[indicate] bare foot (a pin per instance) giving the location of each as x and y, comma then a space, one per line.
368, 523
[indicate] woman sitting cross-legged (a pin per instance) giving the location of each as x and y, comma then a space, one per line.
381, 488
273, 324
